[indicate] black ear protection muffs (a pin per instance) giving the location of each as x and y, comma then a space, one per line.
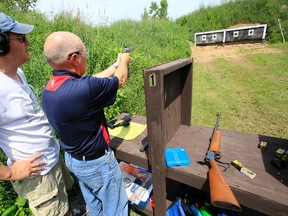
4, 44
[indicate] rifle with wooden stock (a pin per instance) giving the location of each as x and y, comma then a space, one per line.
220, 193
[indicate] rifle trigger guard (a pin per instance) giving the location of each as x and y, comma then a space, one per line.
210, 155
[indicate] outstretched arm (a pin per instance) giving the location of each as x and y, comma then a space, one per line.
122, 70
23, 169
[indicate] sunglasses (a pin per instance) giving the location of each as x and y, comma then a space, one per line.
21, 38
78, 53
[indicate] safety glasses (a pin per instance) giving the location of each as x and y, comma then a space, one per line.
78, 53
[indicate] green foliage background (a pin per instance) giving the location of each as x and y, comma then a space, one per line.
234, 12
159, 41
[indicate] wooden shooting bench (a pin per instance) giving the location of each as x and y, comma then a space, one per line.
168, 94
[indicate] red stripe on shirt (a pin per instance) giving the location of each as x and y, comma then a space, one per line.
55, 82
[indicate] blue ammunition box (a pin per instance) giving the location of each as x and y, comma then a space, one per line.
176, 157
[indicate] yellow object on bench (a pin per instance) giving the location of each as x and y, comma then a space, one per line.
128, 133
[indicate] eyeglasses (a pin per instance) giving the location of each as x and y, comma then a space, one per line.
21, 38
78, 53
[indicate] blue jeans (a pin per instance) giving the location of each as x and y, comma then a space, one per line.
101, 184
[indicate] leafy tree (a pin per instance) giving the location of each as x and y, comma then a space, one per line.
24, 5
163, 10
145, 15
156, 11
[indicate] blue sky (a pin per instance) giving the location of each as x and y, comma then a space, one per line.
103, 12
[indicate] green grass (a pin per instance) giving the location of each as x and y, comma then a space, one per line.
251, 94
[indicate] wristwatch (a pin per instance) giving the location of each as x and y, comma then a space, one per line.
115, 65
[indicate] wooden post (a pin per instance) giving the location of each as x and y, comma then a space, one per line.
281, 31
168, 97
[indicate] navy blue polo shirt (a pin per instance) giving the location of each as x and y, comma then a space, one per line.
74, 107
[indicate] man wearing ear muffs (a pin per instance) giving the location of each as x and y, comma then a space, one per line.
34, 166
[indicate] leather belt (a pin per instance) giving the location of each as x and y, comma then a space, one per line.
88, 158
